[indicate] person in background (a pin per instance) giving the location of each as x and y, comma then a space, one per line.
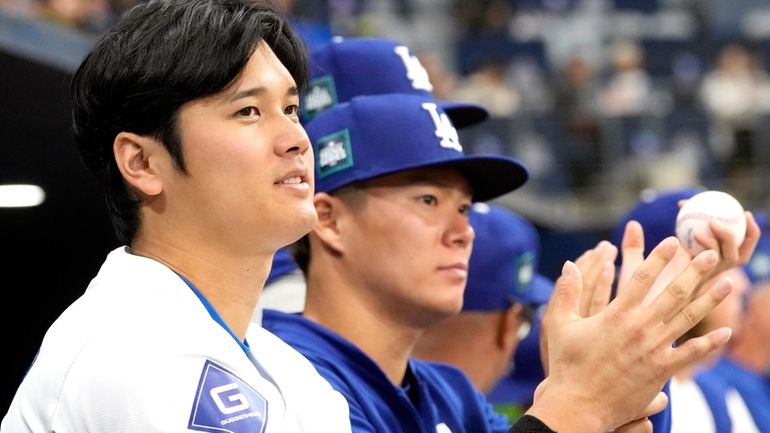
515, 392
187, 112
747, 360
628, 89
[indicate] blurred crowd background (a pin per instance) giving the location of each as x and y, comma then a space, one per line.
603, 100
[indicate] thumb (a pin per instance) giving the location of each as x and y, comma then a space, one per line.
565, 301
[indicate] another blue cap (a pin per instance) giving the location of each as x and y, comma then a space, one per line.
371, 136
656, 213
346, 68
283, 263
503, 264
518, 387
758, 267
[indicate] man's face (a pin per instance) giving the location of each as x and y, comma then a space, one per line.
411, 243
250, 165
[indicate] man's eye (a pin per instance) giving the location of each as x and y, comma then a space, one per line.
465, 209
429, 199
248, 111
292, 110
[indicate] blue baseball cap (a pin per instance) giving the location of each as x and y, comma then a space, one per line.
349, 67
503, 264
656, 212
371, 136
758, 267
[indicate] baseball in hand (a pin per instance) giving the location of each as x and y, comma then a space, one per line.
698, 210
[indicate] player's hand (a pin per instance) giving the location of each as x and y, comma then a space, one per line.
598, 271
606, 369
731, 253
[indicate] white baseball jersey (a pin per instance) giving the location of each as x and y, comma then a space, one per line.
141, 352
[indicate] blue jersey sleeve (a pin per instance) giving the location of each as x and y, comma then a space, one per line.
661, 421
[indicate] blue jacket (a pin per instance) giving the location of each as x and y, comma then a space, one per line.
437, 393
753, 387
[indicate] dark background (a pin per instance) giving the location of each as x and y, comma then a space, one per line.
48, 253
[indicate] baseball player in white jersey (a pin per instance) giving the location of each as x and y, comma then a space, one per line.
187, 112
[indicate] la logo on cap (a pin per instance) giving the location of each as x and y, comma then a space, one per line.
415, 71
444, 128
334, 153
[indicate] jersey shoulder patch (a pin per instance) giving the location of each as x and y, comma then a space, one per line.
225, 403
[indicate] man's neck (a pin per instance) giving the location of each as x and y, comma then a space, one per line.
387, 342
231, 284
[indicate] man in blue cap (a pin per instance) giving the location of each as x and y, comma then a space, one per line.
340, 70
501, 294
515, 392
388, 259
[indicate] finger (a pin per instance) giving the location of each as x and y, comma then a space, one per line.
632, 249
697, 348
753, 233
639, 425
693, 313
595, 277
586, 264
679, 292
727, 244
543, 346
656, 405
603, 290
708, 241
589, 265
645, 275
565, 300
643, 425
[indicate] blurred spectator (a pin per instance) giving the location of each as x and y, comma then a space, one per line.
576, 107
532, 83
482, 36
490, 85
20, 7
484, 52
310, 20
628, 88
91, 16
443, 78
732, 94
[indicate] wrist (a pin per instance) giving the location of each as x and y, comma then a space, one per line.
567, 413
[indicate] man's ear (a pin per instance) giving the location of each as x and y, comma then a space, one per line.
508, 328
327, 229
135, 156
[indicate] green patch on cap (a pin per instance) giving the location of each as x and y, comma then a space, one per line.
334, 153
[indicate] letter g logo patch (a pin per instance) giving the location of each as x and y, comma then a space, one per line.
225, 403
